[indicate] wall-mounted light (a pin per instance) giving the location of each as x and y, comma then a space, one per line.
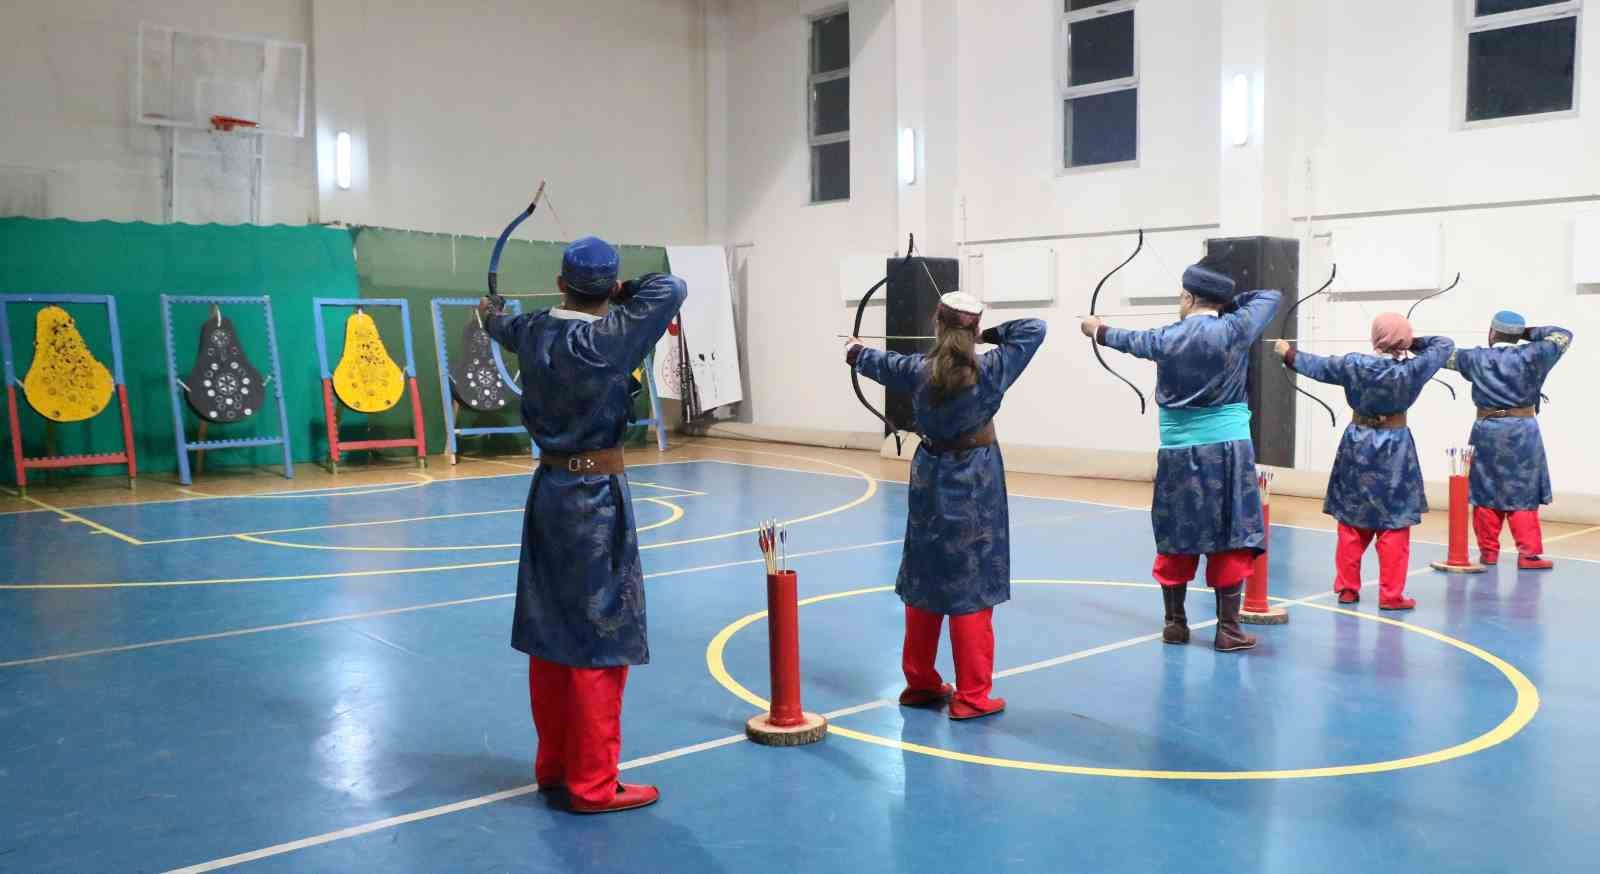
908, 156
341, 159
1236, 110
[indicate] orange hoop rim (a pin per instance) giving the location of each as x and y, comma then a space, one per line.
226, 123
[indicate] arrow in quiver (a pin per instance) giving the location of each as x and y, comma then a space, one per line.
366, 379
474, 379
64, 383
223, 386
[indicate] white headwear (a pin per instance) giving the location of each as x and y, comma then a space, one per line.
962, 302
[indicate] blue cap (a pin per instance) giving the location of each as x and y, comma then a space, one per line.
1201, 281
1508, 322
590, 267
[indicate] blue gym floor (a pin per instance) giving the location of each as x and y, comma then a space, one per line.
322, 681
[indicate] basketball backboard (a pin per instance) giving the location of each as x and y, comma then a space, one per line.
184, 78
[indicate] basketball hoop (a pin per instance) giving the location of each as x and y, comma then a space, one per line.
226, 123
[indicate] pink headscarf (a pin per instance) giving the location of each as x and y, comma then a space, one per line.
1391, 334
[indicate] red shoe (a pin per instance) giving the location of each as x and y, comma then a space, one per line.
926, 697
1489, 558
628, 797
962, 710
1401, 604
1349, 596
1534, 563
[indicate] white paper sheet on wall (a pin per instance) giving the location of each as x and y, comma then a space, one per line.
708, 330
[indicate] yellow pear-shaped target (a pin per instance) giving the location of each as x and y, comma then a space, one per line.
366, 378
65, 382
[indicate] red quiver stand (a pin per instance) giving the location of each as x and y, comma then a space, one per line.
786, 724
1457, 559
1257, 609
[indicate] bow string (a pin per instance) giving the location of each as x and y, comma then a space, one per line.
1447, 386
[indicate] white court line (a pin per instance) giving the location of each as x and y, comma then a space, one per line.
394, 611
729, 740
470, 803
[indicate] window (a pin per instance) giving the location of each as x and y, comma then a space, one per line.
1521, 57
828, 108
1099, 83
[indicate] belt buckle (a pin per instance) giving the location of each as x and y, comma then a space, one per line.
574, 464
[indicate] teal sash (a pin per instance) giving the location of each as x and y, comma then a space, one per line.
1198, 425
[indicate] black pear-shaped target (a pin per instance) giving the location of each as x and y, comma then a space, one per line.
223, 386
474, 379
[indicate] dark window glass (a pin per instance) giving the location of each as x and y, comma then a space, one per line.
1075, 5
1495, 7
1101, 49
1102, 129
830, 43
1521, 70
830, 107
830, 172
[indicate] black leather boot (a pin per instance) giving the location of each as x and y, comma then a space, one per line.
1230, 637
1177, 630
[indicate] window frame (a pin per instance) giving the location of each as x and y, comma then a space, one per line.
1472, 22
813, 79
1066, 91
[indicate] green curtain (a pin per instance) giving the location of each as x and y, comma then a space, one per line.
136, 263
419, 267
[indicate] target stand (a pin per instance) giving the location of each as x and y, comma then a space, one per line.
176, 387
57, 462
330, 401
447, 399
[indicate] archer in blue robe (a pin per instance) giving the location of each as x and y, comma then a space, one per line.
580, 586
957, 556
1509, 470
1376, 482
1206, 497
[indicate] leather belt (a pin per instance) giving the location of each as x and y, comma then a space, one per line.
972, 440
606, 461
1508, 413
1388, 422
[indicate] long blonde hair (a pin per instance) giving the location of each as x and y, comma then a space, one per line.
954, 361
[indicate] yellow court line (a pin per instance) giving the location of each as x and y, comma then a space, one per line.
1527, 704
677, 513
327, 492
70, 516
287, 578
392, 611
1559, 537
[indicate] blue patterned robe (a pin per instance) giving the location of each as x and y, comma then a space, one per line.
1509, 471
1376, 481
580, 587
1206, 498
957, 556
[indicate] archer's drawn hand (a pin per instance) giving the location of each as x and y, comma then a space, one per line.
1091, 326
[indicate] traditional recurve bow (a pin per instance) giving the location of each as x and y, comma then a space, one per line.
1333, 420
1094, 301
1447, 386
861, 311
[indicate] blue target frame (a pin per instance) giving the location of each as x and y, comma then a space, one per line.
175, 386
447, 397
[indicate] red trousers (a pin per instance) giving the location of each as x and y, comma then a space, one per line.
971, 642
578, 714
1524, 529
1222, 568
1394, 560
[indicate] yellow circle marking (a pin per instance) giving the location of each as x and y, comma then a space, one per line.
422, 479
1522, 713
866, 495
677, 513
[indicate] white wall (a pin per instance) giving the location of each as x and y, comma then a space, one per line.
1358, 118
1377, 133
66, 93
457, 110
